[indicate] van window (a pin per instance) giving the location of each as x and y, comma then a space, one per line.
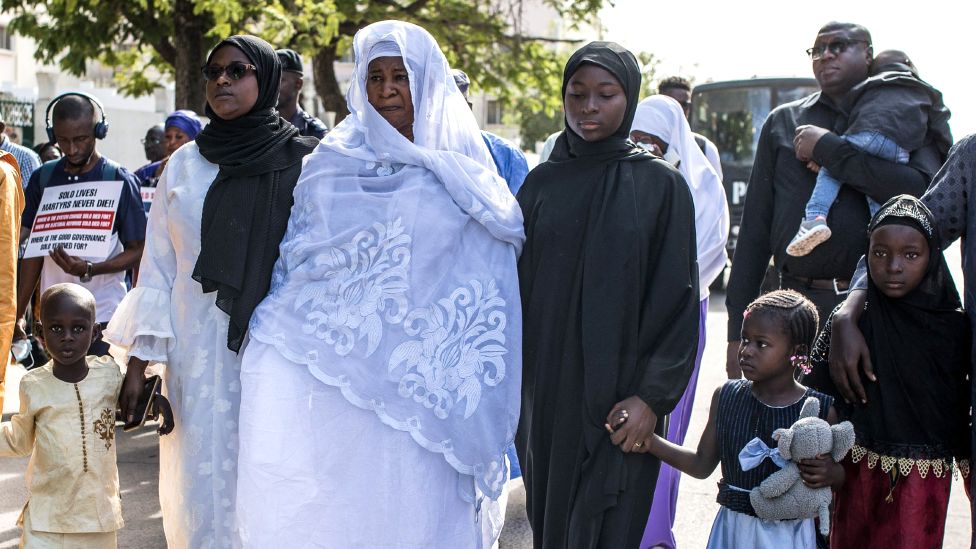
732, 119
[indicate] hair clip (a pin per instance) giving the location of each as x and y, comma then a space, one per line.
802, 362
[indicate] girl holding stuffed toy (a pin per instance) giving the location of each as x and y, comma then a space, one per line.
912, 430
777, 333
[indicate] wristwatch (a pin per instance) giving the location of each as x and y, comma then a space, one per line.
88, 273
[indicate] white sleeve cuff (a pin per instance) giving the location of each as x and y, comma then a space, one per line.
141, 325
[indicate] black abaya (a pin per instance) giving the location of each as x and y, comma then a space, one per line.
609, 286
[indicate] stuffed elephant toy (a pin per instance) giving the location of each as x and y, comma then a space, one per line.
783, 495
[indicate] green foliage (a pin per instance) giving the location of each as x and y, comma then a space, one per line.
538, 125
137, 69
138, 38
649, 64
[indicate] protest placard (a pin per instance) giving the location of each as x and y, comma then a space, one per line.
148, 195
78, 217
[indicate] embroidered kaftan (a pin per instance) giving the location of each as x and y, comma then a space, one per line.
69, 431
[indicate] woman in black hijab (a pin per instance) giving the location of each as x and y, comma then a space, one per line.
221, 209
914, 428
609, 285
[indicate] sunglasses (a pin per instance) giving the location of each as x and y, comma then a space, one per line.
151, 141
234, 71
836, 47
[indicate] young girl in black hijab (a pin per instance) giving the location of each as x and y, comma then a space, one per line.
222, 206
913, 429
609, 290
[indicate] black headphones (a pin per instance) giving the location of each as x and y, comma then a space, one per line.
101, 128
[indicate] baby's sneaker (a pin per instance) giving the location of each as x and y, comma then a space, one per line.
811, 234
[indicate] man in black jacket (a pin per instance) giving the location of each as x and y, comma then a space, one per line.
781, 183
289, 94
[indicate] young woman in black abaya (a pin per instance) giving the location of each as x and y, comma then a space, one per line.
609, 289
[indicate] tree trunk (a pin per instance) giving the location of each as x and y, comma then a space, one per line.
323, 69
190, 55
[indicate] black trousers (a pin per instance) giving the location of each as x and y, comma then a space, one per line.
825, 300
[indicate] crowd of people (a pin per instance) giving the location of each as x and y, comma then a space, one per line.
365, 332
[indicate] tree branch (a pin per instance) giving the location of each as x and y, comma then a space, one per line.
148, 26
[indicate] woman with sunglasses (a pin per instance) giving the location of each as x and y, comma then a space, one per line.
221, 209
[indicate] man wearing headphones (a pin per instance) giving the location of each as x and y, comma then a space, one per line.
72, 125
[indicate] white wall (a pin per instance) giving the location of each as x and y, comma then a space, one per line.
128, 118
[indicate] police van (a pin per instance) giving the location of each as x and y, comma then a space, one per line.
731, 113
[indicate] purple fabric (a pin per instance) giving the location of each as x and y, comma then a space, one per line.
661, 520
186, 121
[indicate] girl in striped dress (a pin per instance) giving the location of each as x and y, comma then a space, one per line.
777, 334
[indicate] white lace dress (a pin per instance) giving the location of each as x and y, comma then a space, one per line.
167, 319
337, 448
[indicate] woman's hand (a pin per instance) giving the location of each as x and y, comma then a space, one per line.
132, 387
806, 140
848, 350
164, 413
821, 472
632, 422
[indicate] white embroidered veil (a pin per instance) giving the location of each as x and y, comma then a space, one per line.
397, 279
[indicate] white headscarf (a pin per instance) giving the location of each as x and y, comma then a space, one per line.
397, 280
447, 140
661, 116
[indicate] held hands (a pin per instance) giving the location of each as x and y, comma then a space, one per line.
132, 387
631, 425
164, 412
806, 140
821, 472
69, 264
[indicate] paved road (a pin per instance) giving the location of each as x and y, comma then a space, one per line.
138, 465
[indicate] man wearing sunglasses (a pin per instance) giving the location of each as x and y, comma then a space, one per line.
154, 144
781, 184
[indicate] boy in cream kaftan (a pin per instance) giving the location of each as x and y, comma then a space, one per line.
66, 423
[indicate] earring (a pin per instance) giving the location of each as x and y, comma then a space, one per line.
802, 362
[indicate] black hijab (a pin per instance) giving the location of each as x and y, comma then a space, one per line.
622, 64
246, 210
920, 348
608, 281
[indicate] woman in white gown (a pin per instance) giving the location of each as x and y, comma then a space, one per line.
195, 294
380, 388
